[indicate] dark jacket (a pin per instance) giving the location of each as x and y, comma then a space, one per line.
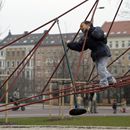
114, 105
97, 46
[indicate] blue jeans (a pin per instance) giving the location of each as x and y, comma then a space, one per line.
101, 66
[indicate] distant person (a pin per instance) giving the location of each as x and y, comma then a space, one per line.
96, 41
89, 105
123, 105
15, 98
79, 100
85, 100
114, 106
93, 103
16, 94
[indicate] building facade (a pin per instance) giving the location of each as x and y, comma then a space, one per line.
43, 62
119, 43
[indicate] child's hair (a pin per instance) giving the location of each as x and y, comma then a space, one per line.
88, 23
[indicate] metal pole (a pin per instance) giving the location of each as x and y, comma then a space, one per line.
68, 65
62, 101
71, 99
3, 78
6, 101
50, 102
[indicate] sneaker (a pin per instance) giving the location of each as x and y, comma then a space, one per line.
111, 80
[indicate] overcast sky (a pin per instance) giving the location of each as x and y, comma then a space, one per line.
26, 15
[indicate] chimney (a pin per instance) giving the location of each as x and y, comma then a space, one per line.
9, 34
45, 31
25, 32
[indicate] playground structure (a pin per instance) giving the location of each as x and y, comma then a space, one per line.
74, 87
2, 78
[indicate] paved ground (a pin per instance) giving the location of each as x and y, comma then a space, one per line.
38, 111
59, 128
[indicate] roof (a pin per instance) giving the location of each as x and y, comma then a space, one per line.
120, 28
32, 39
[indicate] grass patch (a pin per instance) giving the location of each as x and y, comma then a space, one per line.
119, 121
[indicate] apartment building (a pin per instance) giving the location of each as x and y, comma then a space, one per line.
44, 61
119, 42
40, 66
2, 61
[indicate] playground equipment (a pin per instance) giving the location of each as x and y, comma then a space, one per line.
74, 89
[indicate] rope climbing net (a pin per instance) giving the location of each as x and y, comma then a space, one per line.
87, 87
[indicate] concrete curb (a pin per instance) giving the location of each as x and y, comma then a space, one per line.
27, 127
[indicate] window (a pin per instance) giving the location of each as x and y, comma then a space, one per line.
123, 71
117, 45
32, 41
49, 61
8, 53
25, 41
2, 53
129, 43
8, 64
129, 56
17, 63
13, 63
118, 32
112, 33
28, 74
13, 53
110, 45
116, 42
124, 32
115, 71
123, 43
